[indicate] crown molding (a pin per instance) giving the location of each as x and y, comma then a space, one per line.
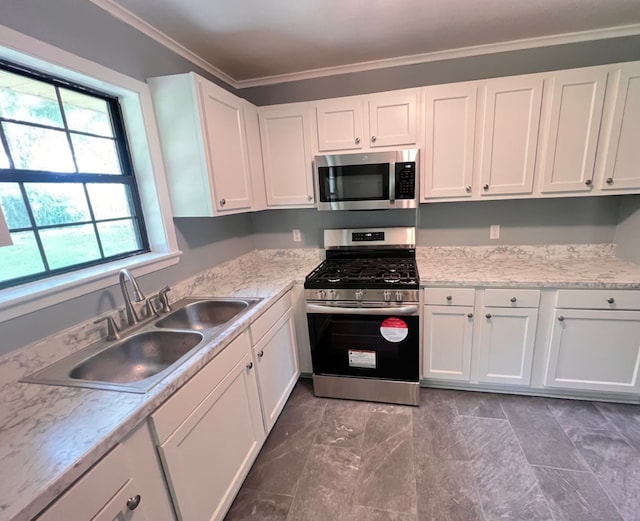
516, 45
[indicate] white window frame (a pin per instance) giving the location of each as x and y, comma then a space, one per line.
146, 156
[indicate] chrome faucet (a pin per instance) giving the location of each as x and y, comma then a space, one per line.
132, 317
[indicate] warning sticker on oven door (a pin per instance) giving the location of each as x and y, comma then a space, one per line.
363, 359
394, 329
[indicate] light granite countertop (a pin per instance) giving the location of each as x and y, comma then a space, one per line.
50, 435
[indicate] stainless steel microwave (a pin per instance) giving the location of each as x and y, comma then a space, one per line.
367, 181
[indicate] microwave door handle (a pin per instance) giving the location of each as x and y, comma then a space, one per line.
392, 183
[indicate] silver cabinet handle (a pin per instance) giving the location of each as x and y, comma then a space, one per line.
486, 187
611, 300
133, 502
470, 315
260, 354
488, 315
449, 298
468, 189
357, 141
249, 366
561, 318
513, 299
223, 202
609, 180
588, 182
373, 139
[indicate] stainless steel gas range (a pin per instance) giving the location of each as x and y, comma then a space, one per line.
363, 316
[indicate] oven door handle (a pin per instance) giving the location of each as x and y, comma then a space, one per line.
333, 310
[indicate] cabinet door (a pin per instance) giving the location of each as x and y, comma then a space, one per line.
450, 112
574, 102
286, 155
620, 138
510, 135
507, 339
447, 342
339, 124
226, 146
277, 362
102, 494
595, 350
209, 455
392, 119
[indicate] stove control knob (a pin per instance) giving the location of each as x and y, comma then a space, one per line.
359, 294
332, 294
399, 296
386, 296
321, 294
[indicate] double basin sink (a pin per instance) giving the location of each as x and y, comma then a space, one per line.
143, 358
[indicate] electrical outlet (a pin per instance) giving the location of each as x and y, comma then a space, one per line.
297, 236
494, 231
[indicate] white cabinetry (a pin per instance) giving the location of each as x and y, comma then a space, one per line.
573, 107
620, 153
380, 120
126, 484
204, 145
447, 337
286, 153
595, 341
450, 129
507, 337
510, 135
275, 355
209, 433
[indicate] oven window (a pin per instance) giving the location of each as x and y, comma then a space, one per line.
354, 182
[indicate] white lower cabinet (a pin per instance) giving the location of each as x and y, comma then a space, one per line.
596, 349
273, 338
210, 432
126, 484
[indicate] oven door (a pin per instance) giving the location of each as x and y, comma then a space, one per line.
365, 343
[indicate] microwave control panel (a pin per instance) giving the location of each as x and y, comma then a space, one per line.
405, 180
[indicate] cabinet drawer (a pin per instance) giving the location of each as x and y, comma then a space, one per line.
598, 299
449, 296
266, 321
512, 298
169, 416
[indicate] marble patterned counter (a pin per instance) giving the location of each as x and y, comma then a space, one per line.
50, 436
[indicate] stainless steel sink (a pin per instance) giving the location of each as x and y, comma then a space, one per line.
140, 360
203, 314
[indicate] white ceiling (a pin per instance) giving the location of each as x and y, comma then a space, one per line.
253, 39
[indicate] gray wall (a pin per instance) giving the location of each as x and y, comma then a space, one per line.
542, 59
627, 237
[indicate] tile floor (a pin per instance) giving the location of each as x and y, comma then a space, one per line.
460, 456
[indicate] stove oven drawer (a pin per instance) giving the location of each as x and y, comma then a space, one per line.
449, 296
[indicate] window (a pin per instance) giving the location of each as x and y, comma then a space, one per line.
67, 188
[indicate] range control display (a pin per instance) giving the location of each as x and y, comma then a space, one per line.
367, 236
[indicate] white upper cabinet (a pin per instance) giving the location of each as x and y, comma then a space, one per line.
450, 129
569, 135
620, 148
510, 134
286, 154
361, 122
204, 144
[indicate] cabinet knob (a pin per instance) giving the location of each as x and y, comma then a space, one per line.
468, 188
223, 202
449, 298
513, 299
470, 315
260, 354
309, 198
611, 300
488, 315
357, 141
561, 318
609, 180
486, 187
133, 502
249, 366
588, 182
373, 139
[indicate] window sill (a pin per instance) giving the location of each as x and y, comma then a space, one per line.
38, 295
